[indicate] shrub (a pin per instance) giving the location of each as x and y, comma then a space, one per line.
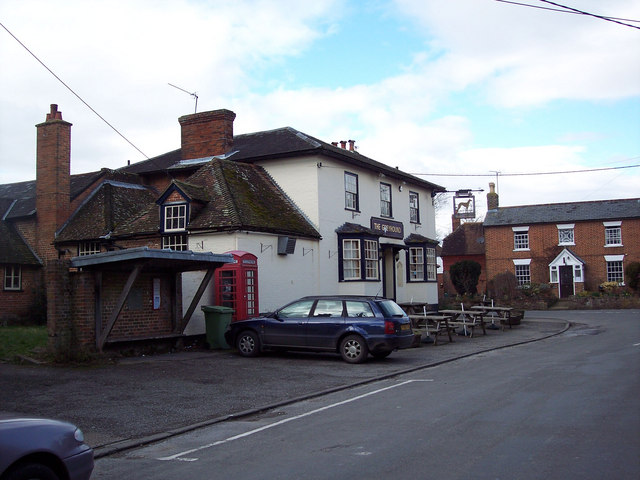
465, 275
632, 276
504, 285
609, 287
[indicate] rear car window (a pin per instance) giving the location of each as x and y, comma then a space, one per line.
328, 308
390, 308
359, 309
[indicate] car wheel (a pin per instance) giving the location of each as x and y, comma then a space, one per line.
354, 349
248, 344
31, 471
381, 355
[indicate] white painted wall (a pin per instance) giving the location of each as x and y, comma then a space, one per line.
313, 269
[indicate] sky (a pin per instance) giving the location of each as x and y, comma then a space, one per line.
459, 92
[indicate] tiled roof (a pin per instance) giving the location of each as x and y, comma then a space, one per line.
25, 192
245, 197
354, 228
416, 238
602, 210
279, 143
467, 239
13, 248
112, 204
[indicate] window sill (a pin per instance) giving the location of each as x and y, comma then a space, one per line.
521, 249
614, 245
566, 244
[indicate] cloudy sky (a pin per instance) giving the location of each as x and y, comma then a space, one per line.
459, 92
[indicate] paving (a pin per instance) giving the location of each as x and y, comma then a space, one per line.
143, 399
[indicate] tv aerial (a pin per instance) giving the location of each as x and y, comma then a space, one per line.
193, 94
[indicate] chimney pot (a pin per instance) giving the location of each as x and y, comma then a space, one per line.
352, 145
343, 144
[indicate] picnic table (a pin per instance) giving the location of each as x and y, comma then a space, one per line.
432, 323
467, 319
503, 313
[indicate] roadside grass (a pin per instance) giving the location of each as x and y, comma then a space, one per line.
28, 341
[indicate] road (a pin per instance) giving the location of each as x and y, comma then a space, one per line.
565, 407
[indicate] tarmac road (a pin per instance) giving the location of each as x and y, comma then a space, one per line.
143, 399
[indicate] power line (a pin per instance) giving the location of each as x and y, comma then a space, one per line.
565, 9
71, 90
523, 174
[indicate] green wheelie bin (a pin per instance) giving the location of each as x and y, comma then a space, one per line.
216, 319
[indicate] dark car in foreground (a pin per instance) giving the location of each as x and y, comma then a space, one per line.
353, 326
40, 449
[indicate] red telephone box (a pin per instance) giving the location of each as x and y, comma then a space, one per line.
236, 285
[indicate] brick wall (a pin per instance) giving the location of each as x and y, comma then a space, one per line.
543, 242
72, 316
26, 306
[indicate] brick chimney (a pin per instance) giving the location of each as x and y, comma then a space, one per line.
455, 222
492, 197
53, 158
207, 133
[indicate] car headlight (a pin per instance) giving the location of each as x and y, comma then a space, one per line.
78, 435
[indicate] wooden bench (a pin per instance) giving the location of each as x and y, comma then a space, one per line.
466, 319
432, 324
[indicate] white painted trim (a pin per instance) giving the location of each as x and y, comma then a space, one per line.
614, 258
566, 226
522, 261
612, 224
520, 229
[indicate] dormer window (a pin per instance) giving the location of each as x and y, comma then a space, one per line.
175, 218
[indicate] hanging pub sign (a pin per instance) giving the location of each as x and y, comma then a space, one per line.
387, 228
464, 204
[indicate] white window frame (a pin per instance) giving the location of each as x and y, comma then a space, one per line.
612, 234
88, 248
12, 278
351, 259
617, 262
414, 207
432, 264
371, 260
175, 217
178, 243
566, 234
416, 264
520, 265
386, 206
520, 238
553, 274
351, 197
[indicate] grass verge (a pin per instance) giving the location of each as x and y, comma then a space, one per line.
27, 341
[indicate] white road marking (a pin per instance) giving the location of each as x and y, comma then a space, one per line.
178, 456
636, 344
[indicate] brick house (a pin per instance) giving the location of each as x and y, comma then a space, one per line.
573, 246
141, 226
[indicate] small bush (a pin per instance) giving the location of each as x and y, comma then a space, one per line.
632, 276
465, 275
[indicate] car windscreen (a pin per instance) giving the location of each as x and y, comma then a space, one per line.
390, 308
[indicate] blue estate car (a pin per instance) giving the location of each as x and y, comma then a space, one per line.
353, 326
